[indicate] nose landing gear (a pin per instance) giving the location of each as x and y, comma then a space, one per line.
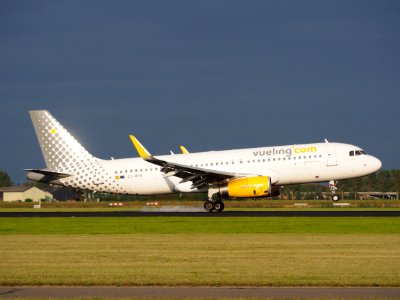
332, 187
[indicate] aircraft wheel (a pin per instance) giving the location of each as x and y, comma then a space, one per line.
335, 198
219, 205
209, 206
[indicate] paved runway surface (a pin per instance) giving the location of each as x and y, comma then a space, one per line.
182, 292
337, 213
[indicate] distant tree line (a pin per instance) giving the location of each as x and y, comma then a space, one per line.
381, 181
5, 179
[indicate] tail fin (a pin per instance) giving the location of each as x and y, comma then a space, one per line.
60, 149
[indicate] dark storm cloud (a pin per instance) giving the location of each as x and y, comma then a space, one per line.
207, 74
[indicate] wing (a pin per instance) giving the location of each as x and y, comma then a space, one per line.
198, 176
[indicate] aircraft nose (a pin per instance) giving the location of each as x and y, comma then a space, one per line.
375, 164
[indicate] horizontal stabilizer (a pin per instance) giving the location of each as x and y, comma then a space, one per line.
45, 176
48, 173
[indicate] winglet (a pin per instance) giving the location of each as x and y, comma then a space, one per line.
140, 148
183, 149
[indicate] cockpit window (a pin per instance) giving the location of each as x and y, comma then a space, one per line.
357, 152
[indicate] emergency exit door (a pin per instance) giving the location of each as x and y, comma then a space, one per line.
331, 155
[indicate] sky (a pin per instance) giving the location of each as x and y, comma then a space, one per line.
210, 75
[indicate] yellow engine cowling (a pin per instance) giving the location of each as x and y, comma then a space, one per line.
259, 186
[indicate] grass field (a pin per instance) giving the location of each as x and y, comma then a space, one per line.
200, 251
201, 259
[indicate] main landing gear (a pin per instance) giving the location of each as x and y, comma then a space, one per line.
211, 205
332, 187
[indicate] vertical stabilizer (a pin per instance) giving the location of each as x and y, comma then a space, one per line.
60, 149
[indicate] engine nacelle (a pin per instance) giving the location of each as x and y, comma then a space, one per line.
259, 186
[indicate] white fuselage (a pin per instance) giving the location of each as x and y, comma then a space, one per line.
293, 164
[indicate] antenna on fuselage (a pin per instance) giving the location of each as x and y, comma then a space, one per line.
326, 141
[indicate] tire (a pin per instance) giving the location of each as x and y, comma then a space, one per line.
209, 206
219, 205
335, 198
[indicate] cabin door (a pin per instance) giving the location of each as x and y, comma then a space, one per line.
331, 155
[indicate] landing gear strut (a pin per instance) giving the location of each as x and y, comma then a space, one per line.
332, 186
211, 205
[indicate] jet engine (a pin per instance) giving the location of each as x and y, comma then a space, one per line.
258, 186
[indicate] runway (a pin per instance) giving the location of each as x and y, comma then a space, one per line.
209, 292
161, 213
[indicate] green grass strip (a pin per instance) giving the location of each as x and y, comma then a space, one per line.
200, 225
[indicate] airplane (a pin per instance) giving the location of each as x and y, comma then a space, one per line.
242, 173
